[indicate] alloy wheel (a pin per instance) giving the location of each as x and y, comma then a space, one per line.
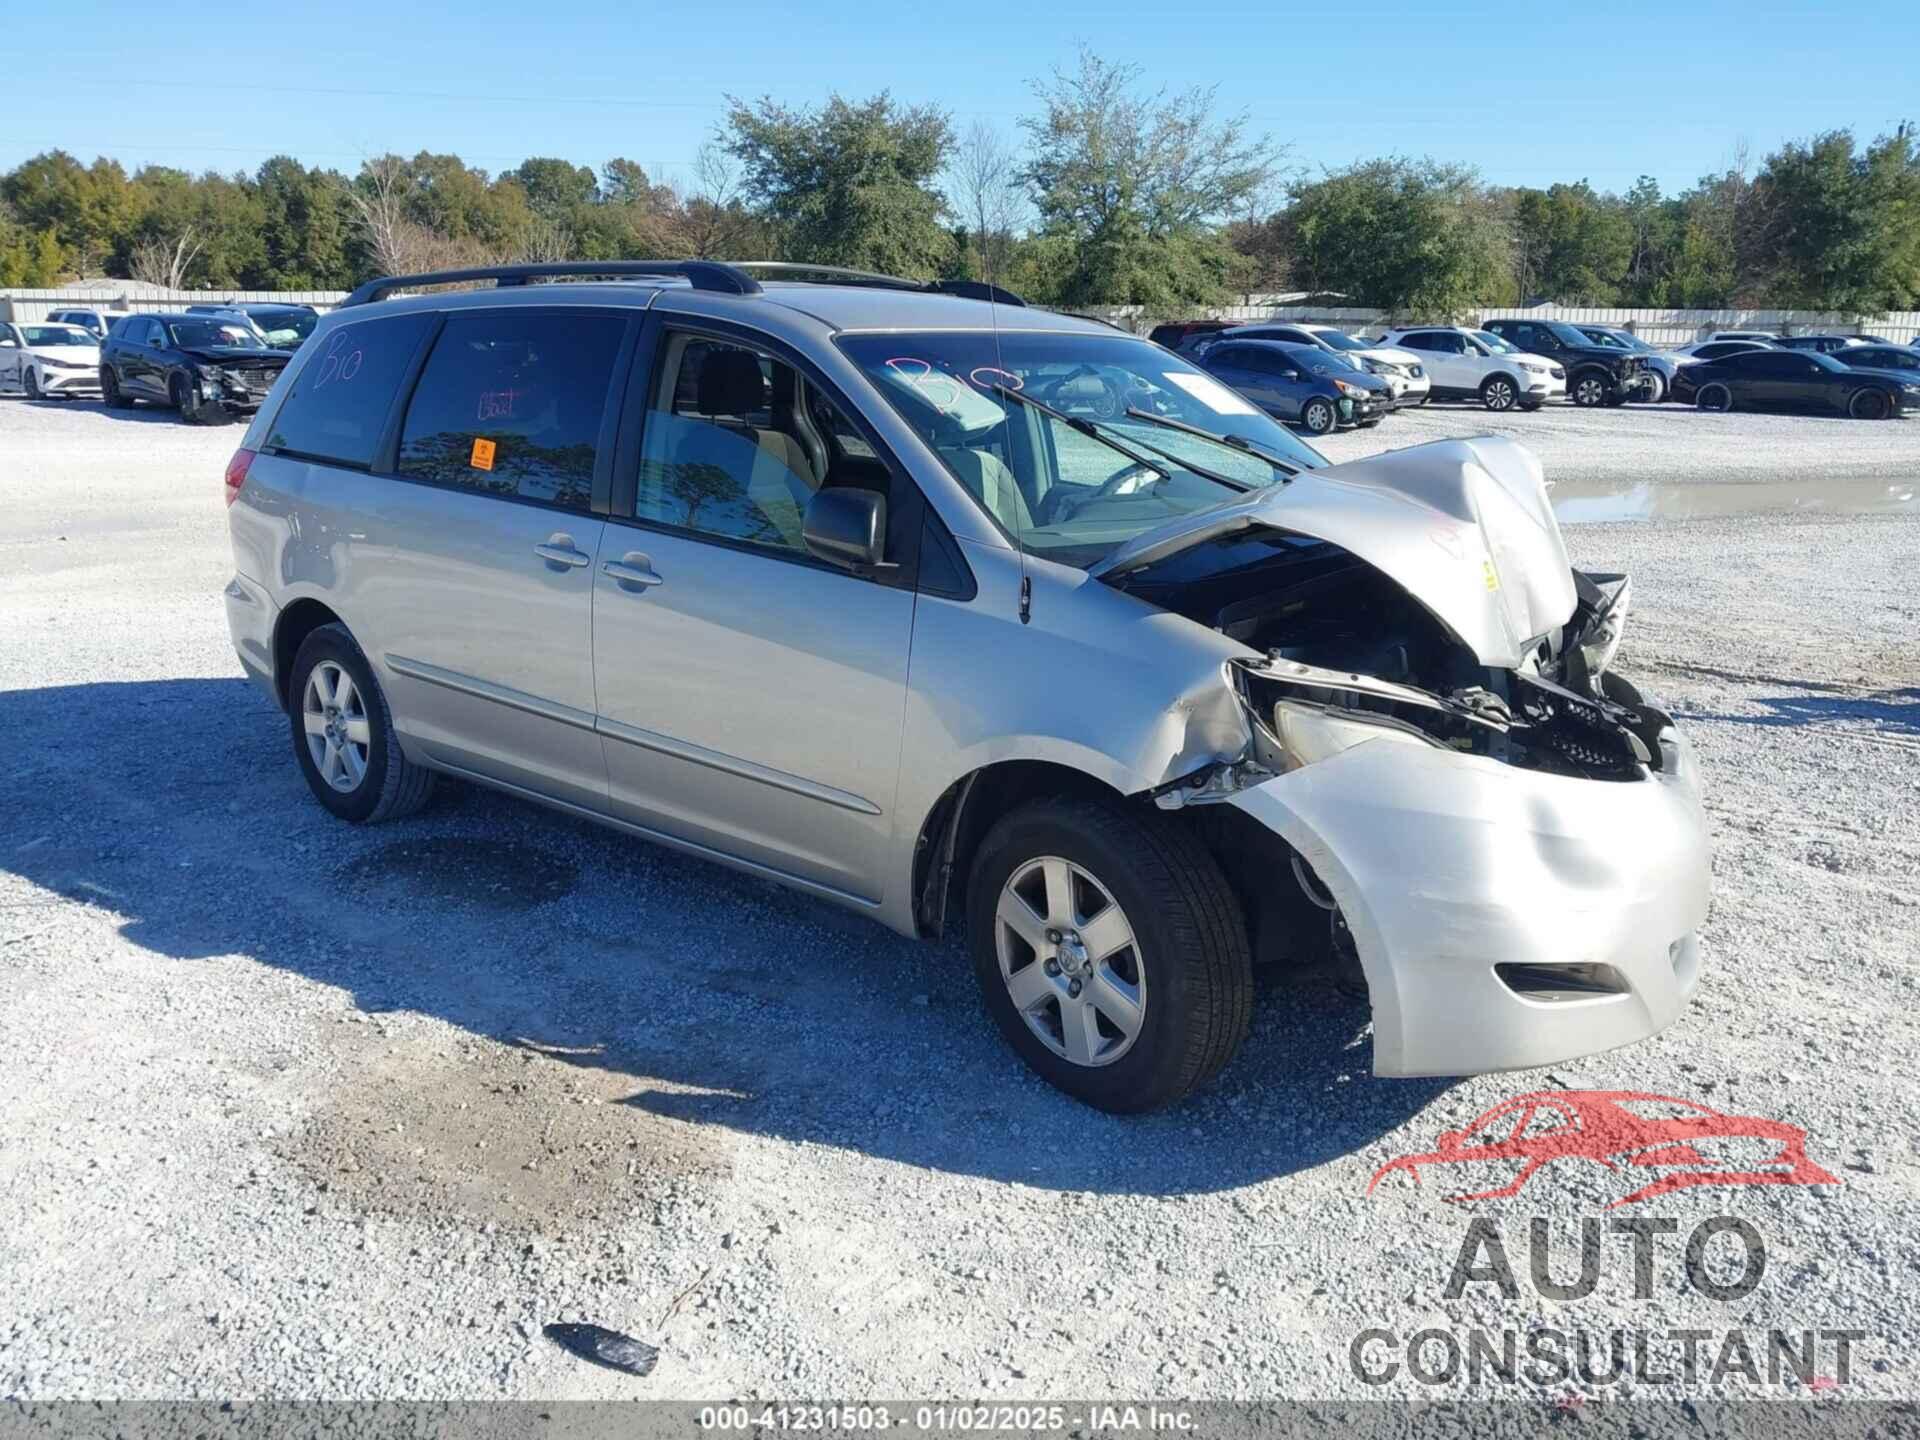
1070, 961
33, 384
1499, 395
1319, 417
338, 732
1589, 391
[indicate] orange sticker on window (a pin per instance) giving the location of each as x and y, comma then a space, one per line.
482, 458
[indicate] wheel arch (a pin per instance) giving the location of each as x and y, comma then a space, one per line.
297, 621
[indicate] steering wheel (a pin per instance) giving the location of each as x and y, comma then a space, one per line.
1063, 504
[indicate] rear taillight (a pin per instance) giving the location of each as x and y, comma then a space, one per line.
237, 473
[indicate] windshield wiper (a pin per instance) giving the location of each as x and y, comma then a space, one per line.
1087, 428
1287, 468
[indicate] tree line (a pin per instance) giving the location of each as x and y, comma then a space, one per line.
1109, 193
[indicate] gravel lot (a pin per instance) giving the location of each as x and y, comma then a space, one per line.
295, 1109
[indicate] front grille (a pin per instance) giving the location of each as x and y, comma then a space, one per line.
255, 377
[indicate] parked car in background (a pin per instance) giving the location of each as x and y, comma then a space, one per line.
1880, 357
1825, 344
49, 361
1713, 350
1469, 365
1180, 692
1766, 335
1796, 380
95, 322
1662, 366
1596, 374
1301, 384
1404, 372
203, 365
234, 313
1183, 336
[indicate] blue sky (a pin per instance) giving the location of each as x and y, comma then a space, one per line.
1529, 91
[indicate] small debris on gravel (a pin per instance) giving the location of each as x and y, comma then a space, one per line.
605, 1347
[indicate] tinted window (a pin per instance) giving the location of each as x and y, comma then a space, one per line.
1885, 359
1417, 342
511, 404
339, 400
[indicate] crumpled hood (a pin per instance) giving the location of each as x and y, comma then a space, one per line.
1463, 526
238, 355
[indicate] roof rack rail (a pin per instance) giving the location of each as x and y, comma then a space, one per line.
700, 274
841, 275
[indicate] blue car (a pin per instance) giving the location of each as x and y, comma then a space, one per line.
1301, 384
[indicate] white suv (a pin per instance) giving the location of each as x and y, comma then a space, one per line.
1475, 364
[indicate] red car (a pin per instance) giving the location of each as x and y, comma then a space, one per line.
1629, 1132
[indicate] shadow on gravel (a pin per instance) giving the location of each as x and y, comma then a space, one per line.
144, 411
1896, 712
696, 995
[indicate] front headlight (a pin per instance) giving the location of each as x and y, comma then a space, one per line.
1345, 389
1911, 389
1309, 733
1532, 369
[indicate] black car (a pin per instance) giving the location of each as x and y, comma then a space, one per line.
202, 365
1662, 366
1881, 357
1301, 384
285, 326
1183, 337
1796, 380
1596, 374
1825, 344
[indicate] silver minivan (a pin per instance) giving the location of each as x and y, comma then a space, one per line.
959, 612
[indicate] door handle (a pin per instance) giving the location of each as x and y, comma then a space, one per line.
633, 570
638, 575
558, 550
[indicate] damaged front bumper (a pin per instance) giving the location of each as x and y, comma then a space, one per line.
1504, 917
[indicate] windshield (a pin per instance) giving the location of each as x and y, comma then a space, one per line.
1340, 340
213, 334
1567, 334
286, 326
1051, 480
1494, 343
55, 335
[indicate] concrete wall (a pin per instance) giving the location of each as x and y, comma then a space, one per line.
125, 297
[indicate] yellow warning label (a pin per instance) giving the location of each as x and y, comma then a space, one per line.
482, 459
1493, 580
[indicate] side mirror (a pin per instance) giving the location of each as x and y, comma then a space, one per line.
1289, 374
846, 527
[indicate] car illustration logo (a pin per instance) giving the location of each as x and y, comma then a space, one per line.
1673, 1144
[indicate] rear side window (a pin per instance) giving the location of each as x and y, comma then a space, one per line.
512, 404
339, 401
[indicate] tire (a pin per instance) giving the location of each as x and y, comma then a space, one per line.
1185, 959
182, 397
1867, 404
110, 392
31, 381
1658, 394
373, 780
1713, 396
1589, 390
1499, 393
1318, 417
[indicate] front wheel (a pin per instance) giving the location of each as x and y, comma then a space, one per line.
1865, 405
33, 384
1588, 391
110, 391
1658, 391
1318, 417
1498, 393
1110, 951
343, 733
1713, 396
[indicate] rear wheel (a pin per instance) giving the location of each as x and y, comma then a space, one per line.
343, 733
1865, 405
1713, 396
1498, 392
1318, 416
1110, 951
